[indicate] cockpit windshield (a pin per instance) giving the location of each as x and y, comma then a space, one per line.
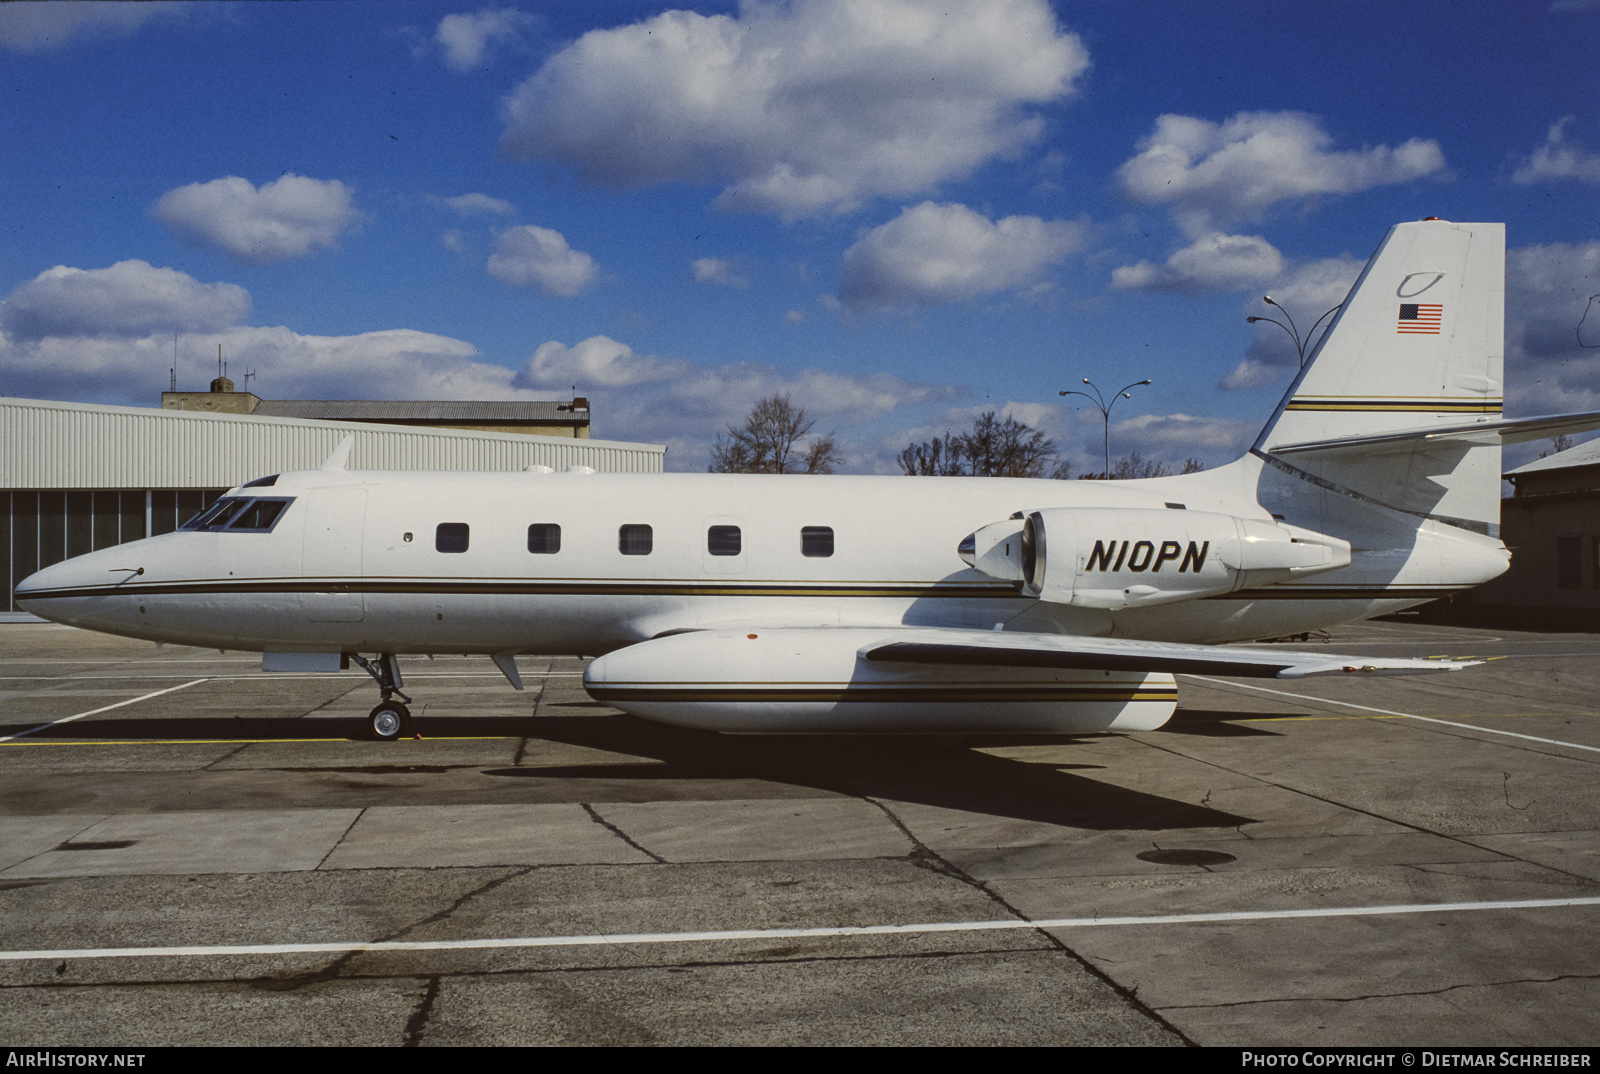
241, 514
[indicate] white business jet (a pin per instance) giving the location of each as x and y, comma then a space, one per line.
889, 604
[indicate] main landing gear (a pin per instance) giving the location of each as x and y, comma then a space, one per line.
390, 720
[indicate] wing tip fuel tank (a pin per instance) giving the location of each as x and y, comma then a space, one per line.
823, 681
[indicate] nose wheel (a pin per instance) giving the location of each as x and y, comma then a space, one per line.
390, 720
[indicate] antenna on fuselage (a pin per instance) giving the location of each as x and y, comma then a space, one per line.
336, 461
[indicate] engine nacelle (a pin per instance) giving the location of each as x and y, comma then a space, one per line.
1113, 558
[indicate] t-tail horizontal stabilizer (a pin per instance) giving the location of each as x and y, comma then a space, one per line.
1486, 433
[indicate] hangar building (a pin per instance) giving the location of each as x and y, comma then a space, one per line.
75, 477
1552, 526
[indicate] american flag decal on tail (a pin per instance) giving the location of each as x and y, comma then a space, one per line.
1419, 319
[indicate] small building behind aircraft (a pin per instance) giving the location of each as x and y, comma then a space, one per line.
535, 417
1552, 526
76, 477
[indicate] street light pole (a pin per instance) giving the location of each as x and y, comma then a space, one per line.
1105, 411
1294, 334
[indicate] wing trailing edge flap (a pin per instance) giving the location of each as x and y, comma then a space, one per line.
1487, 433
998, 649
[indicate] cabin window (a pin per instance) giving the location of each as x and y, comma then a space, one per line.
816, 541
544, 538
259, 516
1569, 562
451, 537
723, 540
635, 540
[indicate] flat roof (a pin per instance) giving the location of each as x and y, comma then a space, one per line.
1582, 455
420, 410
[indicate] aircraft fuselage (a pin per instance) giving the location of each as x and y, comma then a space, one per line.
441, 562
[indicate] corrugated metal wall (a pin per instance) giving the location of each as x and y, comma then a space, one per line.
51, 445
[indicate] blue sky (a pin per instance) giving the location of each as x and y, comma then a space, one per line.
900, 213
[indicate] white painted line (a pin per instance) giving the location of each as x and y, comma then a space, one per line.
103, 708
1391, 712
624, 939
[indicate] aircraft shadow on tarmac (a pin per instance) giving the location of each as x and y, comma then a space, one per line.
904, 768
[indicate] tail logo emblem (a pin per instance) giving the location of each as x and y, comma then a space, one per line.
1419, 319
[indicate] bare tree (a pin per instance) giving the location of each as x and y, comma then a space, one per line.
933, 458
1558, 443
1134, 466
992, 447
772, 440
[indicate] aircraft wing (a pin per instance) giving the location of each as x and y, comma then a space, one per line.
999, 649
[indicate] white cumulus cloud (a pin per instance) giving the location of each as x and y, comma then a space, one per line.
932, 254
131, 298
107, 335
41, 27
685, 404
1209, 263
475, 205
390, 364
285, 219
596, 362
1558, 158
1169, 436
1216, 173
539, 259
465, 39
720, 271
800, 108
1307, 291
1553, 328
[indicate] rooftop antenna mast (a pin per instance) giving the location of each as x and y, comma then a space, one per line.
174, 369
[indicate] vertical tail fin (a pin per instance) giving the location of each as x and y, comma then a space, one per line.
1419, 342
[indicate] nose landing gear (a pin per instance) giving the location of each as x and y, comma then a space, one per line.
390, 720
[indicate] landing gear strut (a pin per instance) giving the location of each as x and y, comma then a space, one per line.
390, 720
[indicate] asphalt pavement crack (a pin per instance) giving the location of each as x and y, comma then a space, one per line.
1385, 995
620, 834
1397, 821
335, 968
337, 843
926, 858
418, 1022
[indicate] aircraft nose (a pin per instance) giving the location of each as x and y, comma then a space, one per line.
76, 589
